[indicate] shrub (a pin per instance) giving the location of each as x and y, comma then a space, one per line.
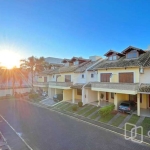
106, 110
102, 95
74, 108
80, 104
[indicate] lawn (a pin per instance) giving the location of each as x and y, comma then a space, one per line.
107, 118
91, 111
85, 108
119, 120
70, 108
94, 116
146, 125
64, 106
60, 104
132, 120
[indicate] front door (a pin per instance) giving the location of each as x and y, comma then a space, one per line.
107, 97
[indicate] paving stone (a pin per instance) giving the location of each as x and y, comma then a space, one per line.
124, 121
116, 116
140, 120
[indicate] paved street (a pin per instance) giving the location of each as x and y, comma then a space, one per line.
43, 129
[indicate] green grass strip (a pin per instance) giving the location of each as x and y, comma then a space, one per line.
106, 118
70, 108
85, 108
94, 116
146, 126
64, 106
91, 111
60, 104
132, 120
119, 120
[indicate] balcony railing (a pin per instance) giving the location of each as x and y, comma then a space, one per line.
63, 84
118, 86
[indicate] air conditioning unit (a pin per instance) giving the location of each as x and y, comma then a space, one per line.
141, 70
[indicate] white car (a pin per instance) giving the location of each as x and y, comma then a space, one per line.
44, 94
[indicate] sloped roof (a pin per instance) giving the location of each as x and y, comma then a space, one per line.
85, 66
112, 51
65, 69
132, 48
45, 72
142, 60
144, 88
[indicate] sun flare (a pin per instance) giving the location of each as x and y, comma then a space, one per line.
9, 59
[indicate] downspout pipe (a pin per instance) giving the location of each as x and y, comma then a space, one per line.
83, 93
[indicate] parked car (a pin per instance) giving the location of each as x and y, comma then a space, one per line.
44, 94
58, 97
127, 107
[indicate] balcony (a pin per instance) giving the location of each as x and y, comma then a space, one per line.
126, 88
41, 84
60, 85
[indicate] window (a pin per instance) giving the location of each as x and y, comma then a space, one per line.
112, 95
132, 54
113, 57
67, 78
140, 98
92, 75
82, 75
79, 92
126, 77
105, 77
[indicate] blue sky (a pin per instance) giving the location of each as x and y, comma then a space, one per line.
66, 28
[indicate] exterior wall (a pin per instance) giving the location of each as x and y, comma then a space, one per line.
9, 91
110, 99
67, 95
89, 79
77, 96
144, 103
115, 72
51, 92
91, 96
41, 78
59, 91
144, 78
78, 78
62, 77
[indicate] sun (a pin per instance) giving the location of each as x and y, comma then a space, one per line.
9, 59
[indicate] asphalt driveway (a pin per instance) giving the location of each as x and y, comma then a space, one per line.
43, 129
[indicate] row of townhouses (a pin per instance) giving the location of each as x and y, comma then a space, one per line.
121, 76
